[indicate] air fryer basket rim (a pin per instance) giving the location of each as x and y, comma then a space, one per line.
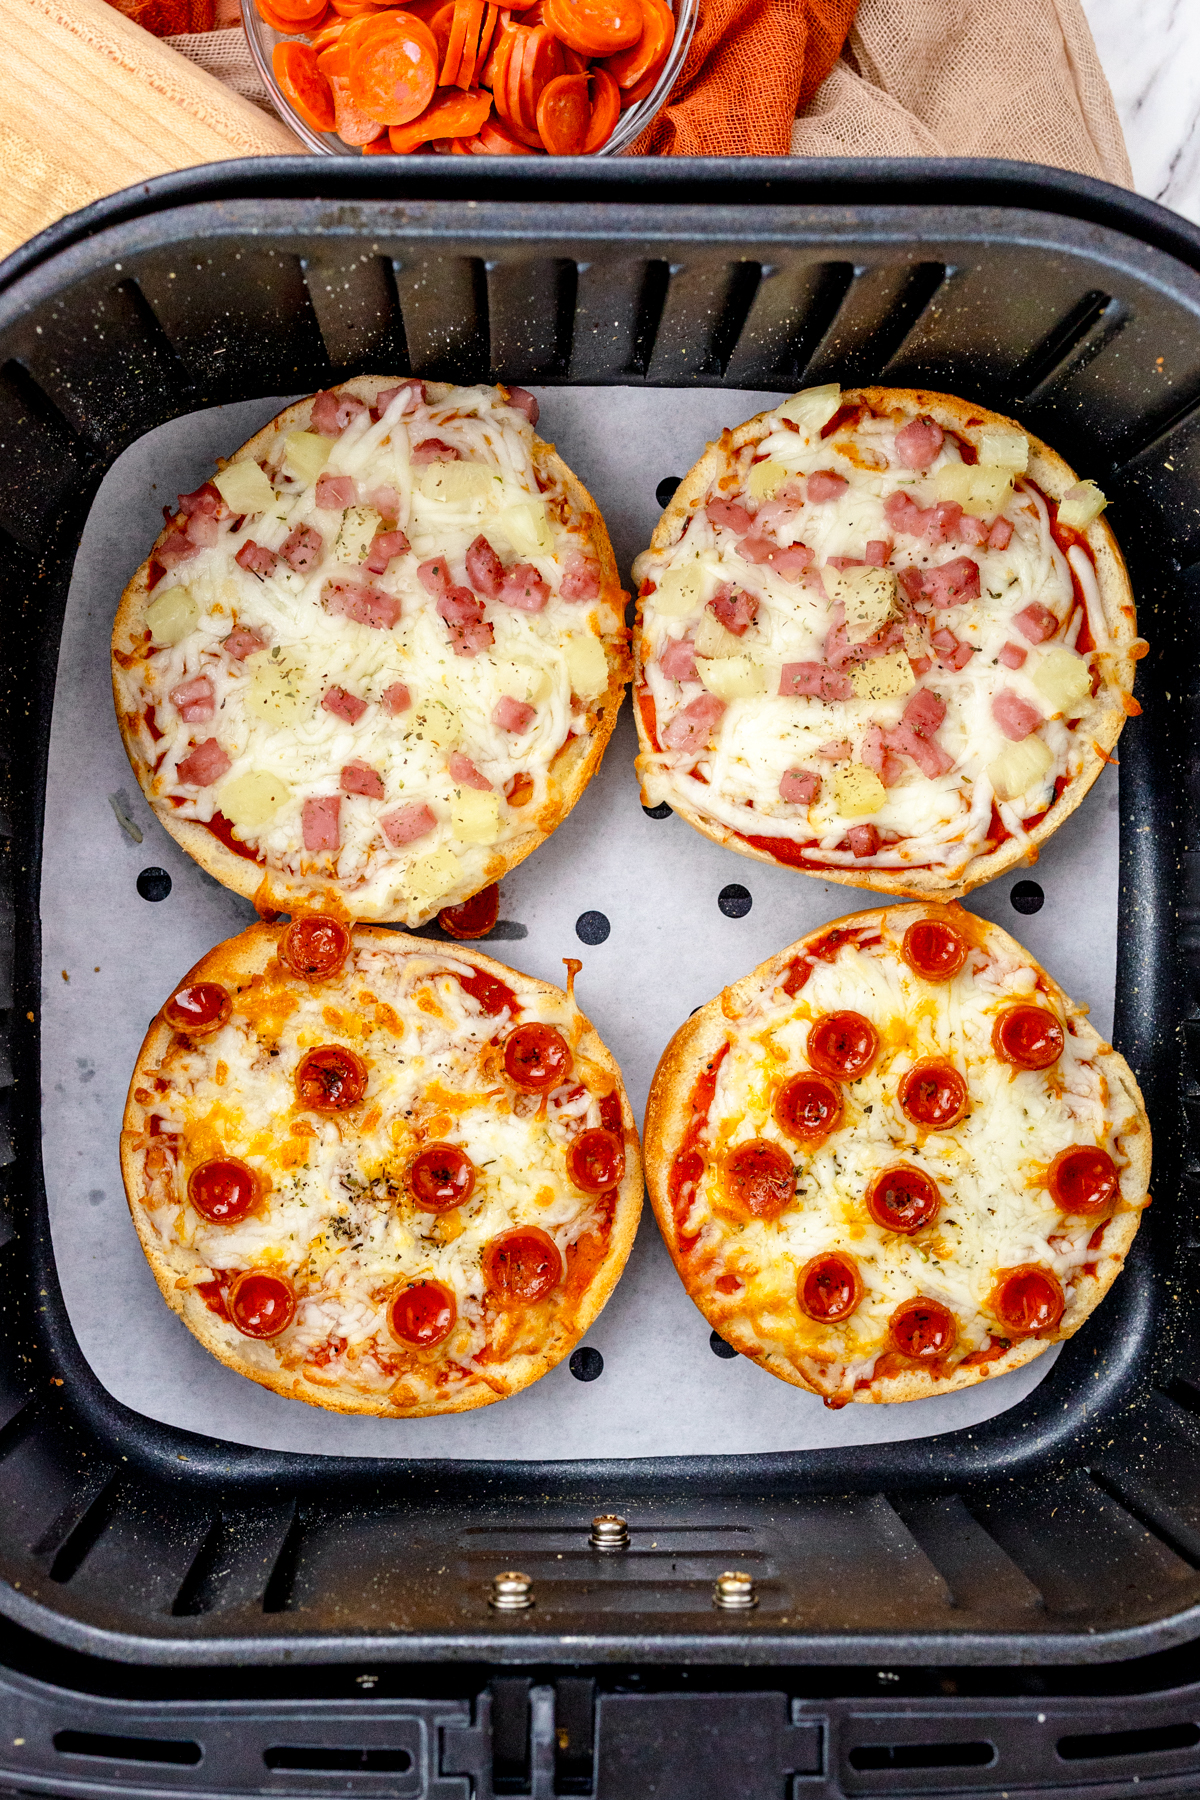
207, 1500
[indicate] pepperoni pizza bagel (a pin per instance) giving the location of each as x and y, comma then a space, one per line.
377, 1176
884, 637
896, 1159
375, 660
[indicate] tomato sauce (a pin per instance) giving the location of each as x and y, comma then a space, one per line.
492, 994
649, 716
213, 1293
688, 1165
992, 1351
152, 725
222, 830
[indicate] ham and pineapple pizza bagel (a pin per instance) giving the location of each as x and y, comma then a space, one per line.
896, 1159
375, 1176
374, 662
884, 637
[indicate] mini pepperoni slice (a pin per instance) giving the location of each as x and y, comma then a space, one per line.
606, 110
1083, 1179
393, 72
934, 950
260, 1304
903, 1199
761, 1178
808, 1107
1028, 1037
331, 1079
522, 1264
315, 947
1027, 1300
303, 84
922, 1329
422, 1314
536, 1057
224, 1191
934, 1095
829, 1287
198, 1007
440, 1177
475, 917
563, 115
596, 1161
629, 68
842, 1045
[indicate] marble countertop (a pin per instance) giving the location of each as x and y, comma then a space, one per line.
1150, 52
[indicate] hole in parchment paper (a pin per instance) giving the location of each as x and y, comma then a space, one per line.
154, 884
734, 900
592, 928
586, 1364
1027, 896
666, 488
719, 1347
661, 811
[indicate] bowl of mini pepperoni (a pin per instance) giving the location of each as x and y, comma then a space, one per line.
469, 77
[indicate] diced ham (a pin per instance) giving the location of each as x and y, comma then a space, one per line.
773, 513
941, 521
814, 681
194, 700
929, 756
1000, 536
396, 699
863, 840
177, 547
799, 787
386, 501
730, 515
434, 450
925, 712
952, 582
824, 484
434, 576
845, 562
360, 778
463, 770
365, 605
384, 546
918, 443
1036, 622
243, 641
903, 514
912, 580
459, 606
791, 562
878, 553
691, 728
331, 413
472, 636
408, 823
837, 750
343, 705
841, 654
302, 548
204, 499
950, 652
1012, 656
202, 530
256, 558
319, 821
511, 714
415, 390
581, 578
1015, 717
524, 588
524, 402
485, 571
875, 754
206, 764
336, 492
677, 660
973, 531
735, 610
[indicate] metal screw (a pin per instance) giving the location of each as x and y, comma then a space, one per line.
609, 1532
511, 1591
734, 1591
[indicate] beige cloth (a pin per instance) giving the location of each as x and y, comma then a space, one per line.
226, 54
969, 78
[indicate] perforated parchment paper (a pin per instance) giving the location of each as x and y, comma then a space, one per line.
111, 957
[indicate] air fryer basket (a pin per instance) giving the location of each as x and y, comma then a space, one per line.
1067, 1530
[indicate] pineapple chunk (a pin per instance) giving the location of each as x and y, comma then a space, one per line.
277, 690
712, 639
429, 877
359, 525
982, 489
812, 407
1020, 767
883, 678
475, 816
587, 666
679, 592
305, 454
458, 483
1062, 678
733, 677
525, 526
438, 724
765, 479
244, 488
1004, 447
1081, 506
869, 597
249, 800
171, 617
857, 791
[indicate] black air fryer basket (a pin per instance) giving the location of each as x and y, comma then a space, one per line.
1001, 1608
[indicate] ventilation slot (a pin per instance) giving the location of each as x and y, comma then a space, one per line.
316, 1757
127, 1749
277, 1596
75, 1532
1084, 332
1154, 1515
1148, 1742
1184, 1393
1163, 436
743, 285
650, 305
922, 1756
198, 1589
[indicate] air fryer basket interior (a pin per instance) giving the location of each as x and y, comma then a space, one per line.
1068, 1528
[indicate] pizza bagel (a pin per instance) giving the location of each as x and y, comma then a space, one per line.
378, 1175
896, 1159
884, 637
374, 661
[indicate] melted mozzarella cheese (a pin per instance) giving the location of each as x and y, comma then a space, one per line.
990, 1169
339, 1221
270, 719
735, 779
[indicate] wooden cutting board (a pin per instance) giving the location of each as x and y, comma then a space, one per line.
93, 103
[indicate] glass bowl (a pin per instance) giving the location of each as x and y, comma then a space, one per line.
262, 39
